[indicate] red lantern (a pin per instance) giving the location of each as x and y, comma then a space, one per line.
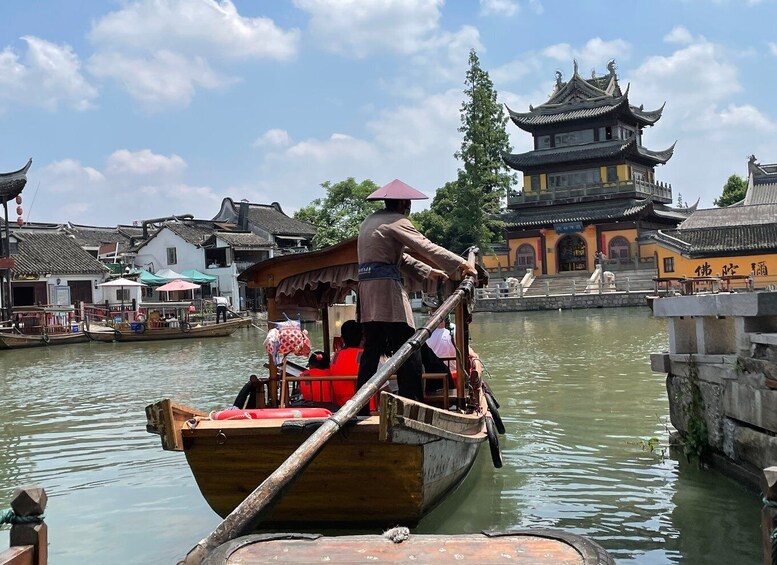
20, 221
18, 198
590, 227
19, 210
543, 231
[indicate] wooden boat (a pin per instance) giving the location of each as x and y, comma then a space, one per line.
138, 331
38, 326
389, 468
537, 547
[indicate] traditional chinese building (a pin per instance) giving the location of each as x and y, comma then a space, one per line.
589, 185
737, 240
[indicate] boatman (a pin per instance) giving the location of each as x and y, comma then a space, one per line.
384, 308
221, 307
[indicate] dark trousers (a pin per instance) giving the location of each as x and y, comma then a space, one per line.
388, 337
221, 310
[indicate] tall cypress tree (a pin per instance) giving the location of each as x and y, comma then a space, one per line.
468, 212
484, 179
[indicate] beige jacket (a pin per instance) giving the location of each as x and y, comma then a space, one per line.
383, 238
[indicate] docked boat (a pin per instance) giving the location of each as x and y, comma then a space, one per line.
38, 326
389, 468
162, 321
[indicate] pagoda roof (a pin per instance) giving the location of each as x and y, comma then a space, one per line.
12, 184
761, 183
754, 215
591, 212
589, 151
581, 99
721, 240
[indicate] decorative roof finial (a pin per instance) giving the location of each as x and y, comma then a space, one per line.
559, 76
574, 62
611, 66
593, 72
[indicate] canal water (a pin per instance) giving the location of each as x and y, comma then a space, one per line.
579, 401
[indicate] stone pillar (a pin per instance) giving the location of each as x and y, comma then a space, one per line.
31, 501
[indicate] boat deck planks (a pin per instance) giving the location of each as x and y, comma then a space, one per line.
538, 547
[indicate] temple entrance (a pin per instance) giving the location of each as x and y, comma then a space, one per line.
572, 254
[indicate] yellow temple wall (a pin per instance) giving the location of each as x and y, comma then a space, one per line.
552, 238
494, 261
630, 234
514, 244
763, 265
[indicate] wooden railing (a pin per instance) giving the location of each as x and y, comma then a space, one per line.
29, 534
660, 192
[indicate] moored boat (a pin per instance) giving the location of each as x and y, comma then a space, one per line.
38, 326
389, 468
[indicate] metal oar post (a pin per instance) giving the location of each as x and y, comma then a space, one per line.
249, 513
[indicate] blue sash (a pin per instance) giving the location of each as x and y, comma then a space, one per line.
372, 271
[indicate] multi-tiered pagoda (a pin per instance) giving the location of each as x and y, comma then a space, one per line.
589, 184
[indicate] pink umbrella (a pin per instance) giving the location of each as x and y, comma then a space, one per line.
177, 284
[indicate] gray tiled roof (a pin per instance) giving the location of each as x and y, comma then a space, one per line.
722, 240
761, 193
588, 151
276, 222
731, 216
589, 212
90, 236
194, 232
55, 253
243, 240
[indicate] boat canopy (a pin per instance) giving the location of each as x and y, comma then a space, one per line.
148, 278
200, 278
170, 275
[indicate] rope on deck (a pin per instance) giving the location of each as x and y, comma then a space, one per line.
398, 534
8, 516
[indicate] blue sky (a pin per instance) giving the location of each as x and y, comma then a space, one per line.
143, 108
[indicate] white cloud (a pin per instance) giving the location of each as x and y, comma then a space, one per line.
746, 116
47, 76
273, 138
773, 48
499, 7
87, 195
159, 80
594, 52
162, 51
679, 34
143, 162
205, 27
361, 27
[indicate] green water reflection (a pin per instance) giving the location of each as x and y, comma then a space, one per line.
577, 397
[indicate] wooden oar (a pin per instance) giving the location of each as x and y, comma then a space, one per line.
247, 516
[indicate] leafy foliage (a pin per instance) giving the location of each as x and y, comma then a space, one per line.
339, 214
465, 211
733, 191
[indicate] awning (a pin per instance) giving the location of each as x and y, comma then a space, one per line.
200, 278
170, 275
147, 278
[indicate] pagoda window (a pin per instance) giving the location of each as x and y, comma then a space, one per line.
575, 178
524, 257
619, 248
574, 137
612, 174
639, 174
543, 142
669, 264
605, 133
535, 183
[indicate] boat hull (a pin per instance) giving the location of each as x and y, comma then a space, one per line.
154, 334
20, 341
377, 472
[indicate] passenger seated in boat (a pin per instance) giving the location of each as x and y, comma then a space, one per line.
345, 362
316, 391
246, 398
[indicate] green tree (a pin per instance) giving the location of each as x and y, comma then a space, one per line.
339, 214
733, 191
466, 211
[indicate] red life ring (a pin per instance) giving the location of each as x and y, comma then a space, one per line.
269, 414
